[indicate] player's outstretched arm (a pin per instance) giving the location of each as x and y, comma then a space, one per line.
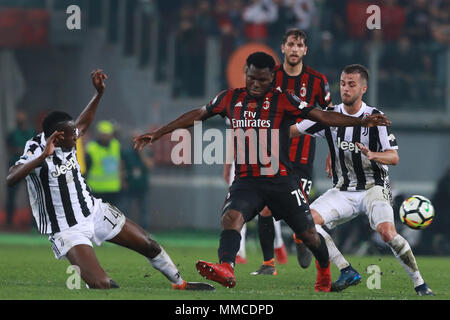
87, 116
186, 120
389, 157
334, 119
20, 171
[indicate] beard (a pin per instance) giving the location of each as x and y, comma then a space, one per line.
293, 62
349, 100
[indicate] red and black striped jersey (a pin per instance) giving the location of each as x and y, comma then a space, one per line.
260, 129
312, 87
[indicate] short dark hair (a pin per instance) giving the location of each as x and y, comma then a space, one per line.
261, 60
357, 68
52, 120
297, 33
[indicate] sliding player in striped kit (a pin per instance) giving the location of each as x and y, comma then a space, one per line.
65, 209
359, 161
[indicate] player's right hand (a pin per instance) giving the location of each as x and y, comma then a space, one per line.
375, 120
56, 137
141, 141
98, 80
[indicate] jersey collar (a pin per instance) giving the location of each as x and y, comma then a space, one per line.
358, 114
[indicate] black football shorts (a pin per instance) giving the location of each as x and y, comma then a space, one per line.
282, 195
305, 178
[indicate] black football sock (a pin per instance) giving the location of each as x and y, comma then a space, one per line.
229, 246
266, 232
321, 253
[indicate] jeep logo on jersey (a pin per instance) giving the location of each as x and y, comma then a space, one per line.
64, 168
347, 145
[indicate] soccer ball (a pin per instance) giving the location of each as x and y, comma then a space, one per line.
417, 212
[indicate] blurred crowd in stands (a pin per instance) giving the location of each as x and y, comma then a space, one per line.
413, 38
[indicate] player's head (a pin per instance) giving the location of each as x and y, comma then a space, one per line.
259, 73
60, 121
353, 83
294, 46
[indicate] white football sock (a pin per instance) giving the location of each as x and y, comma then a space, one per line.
278, 241
242, 253
164, 264
335, 255
402, 251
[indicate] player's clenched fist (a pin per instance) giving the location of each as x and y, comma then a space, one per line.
98, 80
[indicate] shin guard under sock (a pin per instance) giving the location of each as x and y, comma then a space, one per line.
321, 252
266, 232
229, 246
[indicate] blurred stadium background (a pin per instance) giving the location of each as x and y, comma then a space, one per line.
166, 57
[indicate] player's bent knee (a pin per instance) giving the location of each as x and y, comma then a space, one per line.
232, 219
317, 217
387, 231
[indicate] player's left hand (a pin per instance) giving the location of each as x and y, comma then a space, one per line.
98, 80
365, 151
375, 120
141, 141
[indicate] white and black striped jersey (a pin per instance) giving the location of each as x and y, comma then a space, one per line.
351, 169
59, 196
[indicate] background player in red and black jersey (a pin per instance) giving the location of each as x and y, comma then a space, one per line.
259, 106
294, 77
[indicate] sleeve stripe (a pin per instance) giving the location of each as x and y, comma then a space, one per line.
217, 106
315, 128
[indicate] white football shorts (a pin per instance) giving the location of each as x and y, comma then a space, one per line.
103, 224
337, 207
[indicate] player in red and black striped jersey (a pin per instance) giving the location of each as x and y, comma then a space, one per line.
253, 119
294, 77
262, 119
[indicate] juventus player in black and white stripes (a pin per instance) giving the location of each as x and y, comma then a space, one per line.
359, 161
65, 209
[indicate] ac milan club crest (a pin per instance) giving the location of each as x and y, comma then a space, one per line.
266, 105
303, 91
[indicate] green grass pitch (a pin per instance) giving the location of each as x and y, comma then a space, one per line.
28, 270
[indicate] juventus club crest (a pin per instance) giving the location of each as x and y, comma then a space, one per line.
365, 130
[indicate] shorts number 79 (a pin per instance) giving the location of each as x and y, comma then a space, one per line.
300, 197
